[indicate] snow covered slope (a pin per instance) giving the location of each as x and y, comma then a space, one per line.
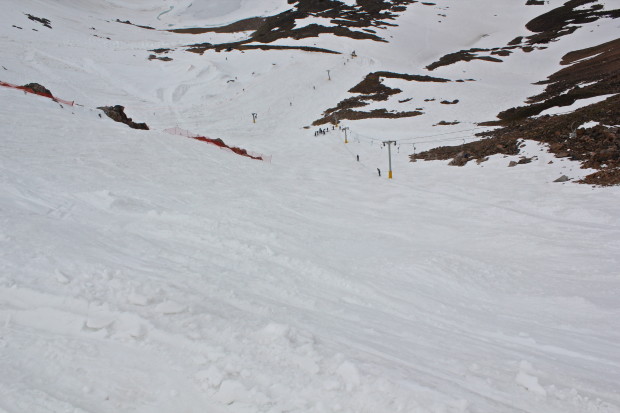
147, 272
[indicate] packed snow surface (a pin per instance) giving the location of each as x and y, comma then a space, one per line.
147, 272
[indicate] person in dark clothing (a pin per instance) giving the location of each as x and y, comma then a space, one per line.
358, 158
379, 171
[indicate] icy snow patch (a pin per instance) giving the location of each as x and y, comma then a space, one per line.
528, 381
170, 307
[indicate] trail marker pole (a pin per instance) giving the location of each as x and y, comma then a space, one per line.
389, 145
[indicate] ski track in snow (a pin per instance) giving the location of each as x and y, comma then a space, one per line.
146, 272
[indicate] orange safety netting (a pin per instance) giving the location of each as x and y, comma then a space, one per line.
219, 143
27, 90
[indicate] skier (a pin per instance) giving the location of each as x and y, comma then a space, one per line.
358, 158
379, 171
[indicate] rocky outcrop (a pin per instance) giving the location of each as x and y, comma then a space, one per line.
372, 89
546, 28
359, 21
117, 114
38, 89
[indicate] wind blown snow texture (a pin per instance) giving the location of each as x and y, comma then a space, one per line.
146, 272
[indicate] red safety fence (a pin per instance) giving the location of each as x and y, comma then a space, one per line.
47, 95
219, 143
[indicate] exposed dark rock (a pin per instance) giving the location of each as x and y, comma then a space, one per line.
597, 67
373, 89
357, 115
462, 56
478, 150
253, 23
164, 59
596, 147
117, 114
460, 159
201, 48
557, 19
347, 21
502, 52
547, 28
137, 25
37, 88
44, 22
605, 177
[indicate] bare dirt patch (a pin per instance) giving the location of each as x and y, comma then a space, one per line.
589, 72
137, 25
162, 58
251, 24
354, 22
462, 56
596, 147
479, 151
373, 89
201, 48
547, 28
